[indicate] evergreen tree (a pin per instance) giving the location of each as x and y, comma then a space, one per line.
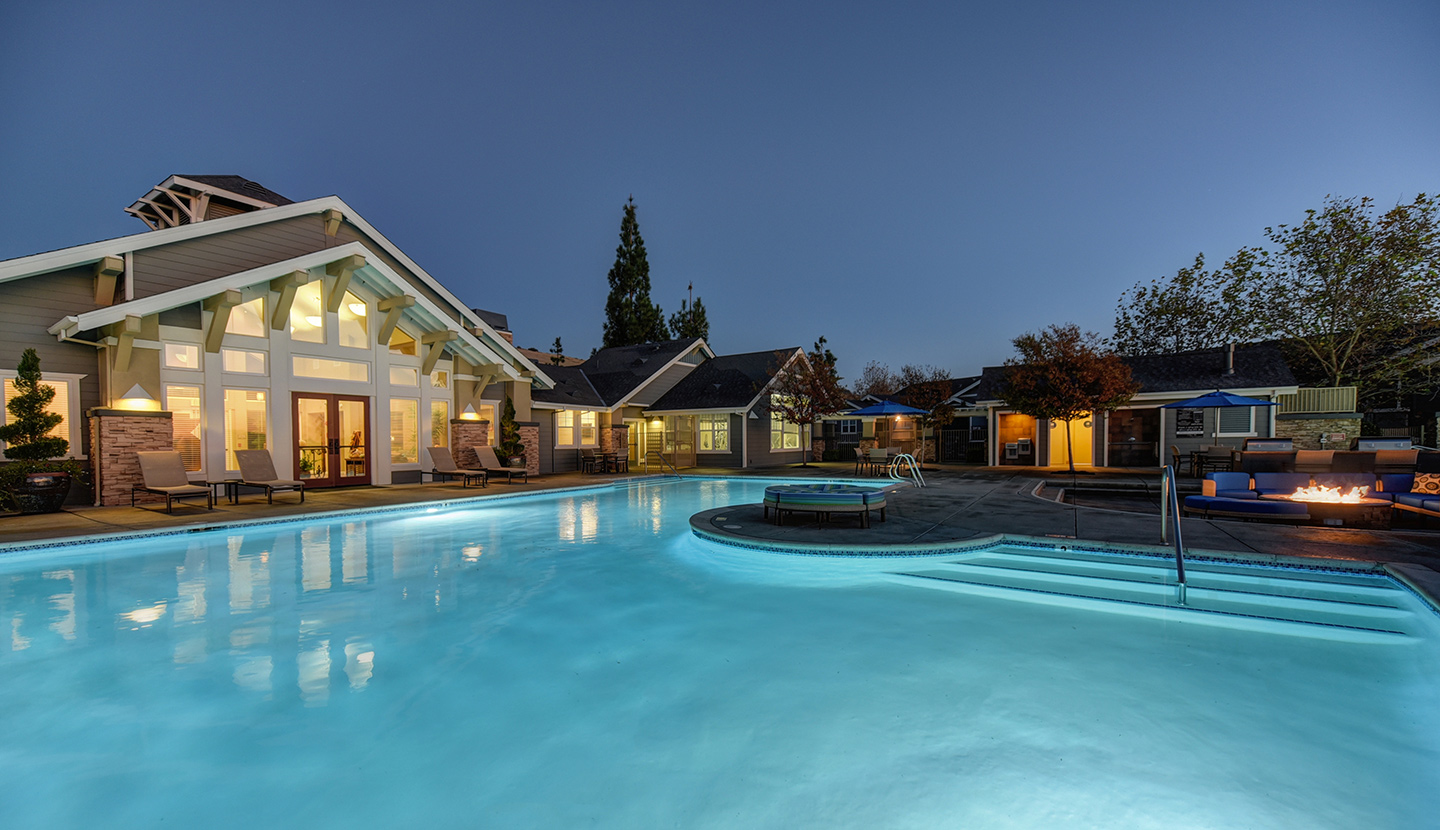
26, 435
557, 353
509, 443
630, 316
690, 321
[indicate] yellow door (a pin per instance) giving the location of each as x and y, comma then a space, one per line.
1081, 435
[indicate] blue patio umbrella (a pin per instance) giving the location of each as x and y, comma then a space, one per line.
1217, 400
887, 408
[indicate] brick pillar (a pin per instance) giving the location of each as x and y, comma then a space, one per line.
465, 436
530, 439
817, 449
115, 436
615, 438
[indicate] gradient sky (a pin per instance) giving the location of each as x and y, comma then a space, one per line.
917, 182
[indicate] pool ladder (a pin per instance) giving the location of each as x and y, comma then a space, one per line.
663, 463
911, 474
1170, 504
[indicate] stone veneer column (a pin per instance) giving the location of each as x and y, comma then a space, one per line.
530, 439
615, 438
115, 436
465, 436
817, 449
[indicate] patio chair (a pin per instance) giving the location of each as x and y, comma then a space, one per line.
860, 460
163, 474
444, 468
1178, 461
257, 469
492, 466
589, 462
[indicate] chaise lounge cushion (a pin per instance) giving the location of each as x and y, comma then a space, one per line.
1421, 500
1229, 486
1286, 483
1248, 507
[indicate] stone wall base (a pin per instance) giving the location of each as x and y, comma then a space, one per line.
465, 436
115, 436
1306, 431
530, 439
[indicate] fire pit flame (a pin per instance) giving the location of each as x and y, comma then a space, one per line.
1330, 494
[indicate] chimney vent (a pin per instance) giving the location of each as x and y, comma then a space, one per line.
1230, 359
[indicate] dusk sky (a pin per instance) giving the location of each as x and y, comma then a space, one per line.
916, 182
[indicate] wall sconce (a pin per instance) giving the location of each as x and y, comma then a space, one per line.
469, 414
137, 400
358, 309
314, 321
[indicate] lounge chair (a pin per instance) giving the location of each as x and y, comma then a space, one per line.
257, 469
164, 475
492, 466
444, 468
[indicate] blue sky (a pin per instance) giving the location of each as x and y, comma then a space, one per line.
917, 182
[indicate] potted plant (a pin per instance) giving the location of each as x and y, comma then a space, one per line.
36, 479
509, 446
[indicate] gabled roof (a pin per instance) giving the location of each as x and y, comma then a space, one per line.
572, 388
375, 273
243, 187
1257, 366
958, 387
43, 263
731, 381
613, 375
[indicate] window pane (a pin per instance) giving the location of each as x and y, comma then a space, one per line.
242, 361
320, 367
564, 428
587, 429
307, 316
404, 376
487, 413
439, 423
59, 405
1235, 419
440, 379
185, 421
404, 431
354, 319
247, 319
401, 343
245, 423
182, 356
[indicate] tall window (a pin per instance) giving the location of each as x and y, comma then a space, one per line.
783, 435
404, 431
245, 423
714, 433
401, 343
186, 423
486, 412
439, 423
247, 319
564, 428
59, 405
354, 319
587, 429
307, 315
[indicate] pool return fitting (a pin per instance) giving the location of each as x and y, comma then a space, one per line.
1170, 502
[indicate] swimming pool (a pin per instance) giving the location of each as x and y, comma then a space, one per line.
582, 659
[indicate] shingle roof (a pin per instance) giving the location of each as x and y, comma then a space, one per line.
1257, 365
725, 382
242, 186
611, 374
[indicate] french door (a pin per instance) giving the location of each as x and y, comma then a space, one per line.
332, 439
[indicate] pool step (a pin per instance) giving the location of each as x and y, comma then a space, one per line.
1146, 589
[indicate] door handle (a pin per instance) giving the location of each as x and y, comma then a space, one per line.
334, 446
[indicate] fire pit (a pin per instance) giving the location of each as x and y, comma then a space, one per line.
1333, 507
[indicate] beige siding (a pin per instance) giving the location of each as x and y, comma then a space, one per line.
29, 306
157, 270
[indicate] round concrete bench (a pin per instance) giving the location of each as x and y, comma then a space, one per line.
1273, 511
823, 500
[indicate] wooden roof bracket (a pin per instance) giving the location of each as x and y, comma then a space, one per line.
342, 270
436, 340
393, 307
286, 285
106, 271
220, 305
125, 342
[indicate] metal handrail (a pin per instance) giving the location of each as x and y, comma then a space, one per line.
663, 463
915, 477
1170, 502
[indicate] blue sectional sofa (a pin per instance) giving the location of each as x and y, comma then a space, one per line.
1211, 507
1280, 483
1399, 488
1228, 486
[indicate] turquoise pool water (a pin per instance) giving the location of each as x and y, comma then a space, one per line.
583, 660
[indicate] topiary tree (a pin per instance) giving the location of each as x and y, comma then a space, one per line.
27, 435
509, 443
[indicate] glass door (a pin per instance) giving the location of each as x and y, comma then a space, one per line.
332, 439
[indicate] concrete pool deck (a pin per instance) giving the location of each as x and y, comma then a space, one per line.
961, 503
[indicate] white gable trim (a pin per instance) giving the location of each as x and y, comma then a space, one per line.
375, 273
35, 264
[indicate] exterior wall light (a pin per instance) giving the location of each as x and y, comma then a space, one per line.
137, 400
469, 414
